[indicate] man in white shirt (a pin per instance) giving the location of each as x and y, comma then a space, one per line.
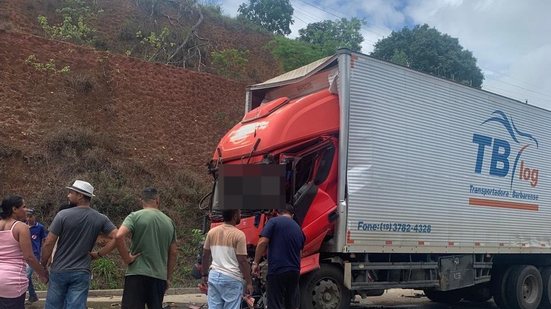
226, 246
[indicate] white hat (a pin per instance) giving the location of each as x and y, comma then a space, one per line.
82, 187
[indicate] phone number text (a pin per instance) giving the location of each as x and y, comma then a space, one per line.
394, 227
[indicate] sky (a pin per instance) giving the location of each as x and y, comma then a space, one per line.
509, 38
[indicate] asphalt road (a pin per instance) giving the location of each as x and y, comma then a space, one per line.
398, 298
395, 298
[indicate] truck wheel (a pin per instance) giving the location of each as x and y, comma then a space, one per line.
546, 294
524, 287
324, 289
498, 286
479, 293
445, 297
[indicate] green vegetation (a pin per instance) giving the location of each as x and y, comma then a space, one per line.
331, 35
230, 63
157, 46
316, 41
428, 50
49, 67
273, 15
293, 53
106, 274
191, 247
76, 15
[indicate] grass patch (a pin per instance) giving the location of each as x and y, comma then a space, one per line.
107, 274
82, 83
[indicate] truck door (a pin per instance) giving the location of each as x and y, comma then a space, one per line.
315, 193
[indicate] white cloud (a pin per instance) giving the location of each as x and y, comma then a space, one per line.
229, 7
508, 37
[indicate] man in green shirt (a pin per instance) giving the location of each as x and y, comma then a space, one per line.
152, 254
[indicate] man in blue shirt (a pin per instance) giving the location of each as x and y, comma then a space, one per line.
284, 239
38, 234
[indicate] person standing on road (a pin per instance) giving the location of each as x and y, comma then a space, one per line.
15, 250
38, 235
75, 229
226, 246
284, 239
152, 256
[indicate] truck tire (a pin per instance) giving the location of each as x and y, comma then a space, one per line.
444, 297
546, 294
524, 287
324, 289
498, 286
479, 293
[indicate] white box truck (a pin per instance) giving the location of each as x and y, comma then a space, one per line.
401, 179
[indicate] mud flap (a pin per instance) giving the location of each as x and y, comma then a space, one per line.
456, 272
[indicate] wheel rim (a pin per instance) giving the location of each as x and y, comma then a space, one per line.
326, 295
530, 289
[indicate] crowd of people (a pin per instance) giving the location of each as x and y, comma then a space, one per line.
61, 256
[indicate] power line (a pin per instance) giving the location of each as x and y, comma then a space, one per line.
509, 92
321, 9
341, 16
310, 17
334, 13
521, 87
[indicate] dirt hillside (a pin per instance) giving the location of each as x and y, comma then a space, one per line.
92, 112
152, 112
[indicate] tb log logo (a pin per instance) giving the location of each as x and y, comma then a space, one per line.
500, 160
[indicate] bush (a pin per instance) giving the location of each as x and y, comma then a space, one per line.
82, 83
293, 54
49, 67
100, 44
128, 32
157, 45
73, 142
74, 27
230, 63
70, 142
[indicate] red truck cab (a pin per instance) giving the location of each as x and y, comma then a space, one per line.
301, 133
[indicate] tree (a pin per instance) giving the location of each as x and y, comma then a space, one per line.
330, 35
293, 54
426, 49
273, 15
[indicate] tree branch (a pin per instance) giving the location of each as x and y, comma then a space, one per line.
191, 33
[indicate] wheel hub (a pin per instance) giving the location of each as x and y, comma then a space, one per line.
530, 289
326, 295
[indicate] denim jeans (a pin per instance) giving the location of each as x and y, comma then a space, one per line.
32, 292
68, 290
224, 292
